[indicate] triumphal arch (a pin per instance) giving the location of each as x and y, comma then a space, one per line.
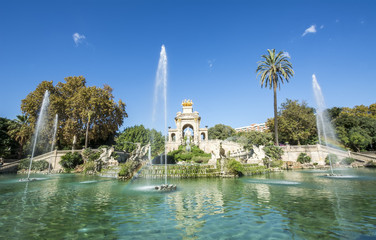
184, 121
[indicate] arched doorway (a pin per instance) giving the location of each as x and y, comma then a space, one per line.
188, 128
173, 137
203, 137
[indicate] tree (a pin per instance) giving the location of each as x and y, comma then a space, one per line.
297, 123
248, 139
8, 145
221, 131
273, 156
20, 131
272, 70
334, 112
139, 134
75, 103
356, 128
359, 139
303, 158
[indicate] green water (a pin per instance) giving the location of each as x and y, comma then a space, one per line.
286, 205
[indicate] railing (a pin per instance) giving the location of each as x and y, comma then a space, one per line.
362, 157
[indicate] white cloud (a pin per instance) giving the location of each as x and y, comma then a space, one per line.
337, 20
286, 54
311, 29
78, 38
211, 63
322, 26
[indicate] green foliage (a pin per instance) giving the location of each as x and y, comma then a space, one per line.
248, 139
36, 165
8, 146
273, 152
70, 161
347, 161
356, 127
253, 169
127, 169
196, 155
200, 159
273, 69
276, 163
221, 131
24, 163
273, 156
124, 169
20, 130
89, 155
72, 100
331, 157
234, 167
303, 158
40, 165
359, 138
89, 167
139, 134
296, 123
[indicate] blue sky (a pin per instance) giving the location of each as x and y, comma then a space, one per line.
212, 49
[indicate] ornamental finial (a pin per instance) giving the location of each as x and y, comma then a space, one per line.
187, 103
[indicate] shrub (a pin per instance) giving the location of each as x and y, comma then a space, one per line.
39, 165
276, 163
70, 161
332, 157
347, 161
274, 152
24, 164
196, 155
89, 155
89, 167
266, 161
199, 159
125, 169
303, 158
36, 165
235, 167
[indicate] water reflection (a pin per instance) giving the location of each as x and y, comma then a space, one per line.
75, 207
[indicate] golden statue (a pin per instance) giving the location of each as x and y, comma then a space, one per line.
187, 103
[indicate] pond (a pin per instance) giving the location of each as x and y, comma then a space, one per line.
283, 205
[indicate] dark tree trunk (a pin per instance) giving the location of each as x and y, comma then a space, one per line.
275, 113
87, 133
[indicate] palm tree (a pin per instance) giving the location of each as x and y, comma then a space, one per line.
273, 69
20, 131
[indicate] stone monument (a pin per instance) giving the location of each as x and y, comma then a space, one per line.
184, 120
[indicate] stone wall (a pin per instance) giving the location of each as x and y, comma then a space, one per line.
54, 157
317, 153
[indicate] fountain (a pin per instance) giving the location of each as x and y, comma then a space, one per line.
41, 121
324, 127
161, 84
53, 141
188, 142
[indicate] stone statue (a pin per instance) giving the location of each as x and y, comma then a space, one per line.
188, 147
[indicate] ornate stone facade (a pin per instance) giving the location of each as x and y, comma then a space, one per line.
183, 120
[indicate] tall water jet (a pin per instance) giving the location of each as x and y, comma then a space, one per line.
40, 122
325, 129
161, 84
53, 140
